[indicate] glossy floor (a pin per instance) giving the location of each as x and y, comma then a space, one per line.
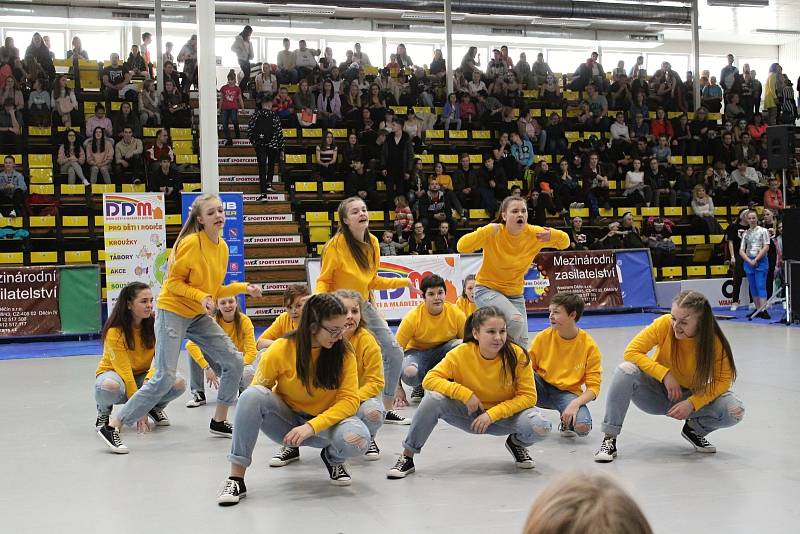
58, 477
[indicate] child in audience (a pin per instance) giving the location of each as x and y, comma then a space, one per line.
566, 365
466, 302
294, 298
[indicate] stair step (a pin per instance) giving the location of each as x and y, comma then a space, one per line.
258, 275
254, 252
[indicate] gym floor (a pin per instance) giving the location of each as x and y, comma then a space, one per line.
59, 477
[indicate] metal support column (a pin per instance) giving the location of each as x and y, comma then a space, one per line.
159, 49
207, 82
696, 53
448, 37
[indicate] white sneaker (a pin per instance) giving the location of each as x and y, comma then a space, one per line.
734, 306
752, 306
12, 214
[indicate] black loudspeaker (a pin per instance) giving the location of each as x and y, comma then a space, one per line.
791, 236
794, 290
780, 146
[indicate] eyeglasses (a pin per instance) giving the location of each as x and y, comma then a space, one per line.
334, 332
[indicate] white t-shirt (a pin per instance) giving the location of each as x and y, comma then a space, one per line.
753, 240
634, 179
305, 58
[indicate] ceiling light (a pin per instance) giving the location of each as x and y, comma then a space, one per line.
738, 3
425, 15
301, 10
777, 31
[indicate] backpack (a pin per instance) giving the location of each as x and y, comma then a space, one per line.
42, 205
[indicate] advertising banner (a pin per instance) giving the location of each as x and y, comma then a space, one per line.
135, 235
49, 301
232, 233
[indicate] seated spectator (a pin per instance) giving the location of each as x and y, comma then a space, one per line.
38, 52
758, 129
175, 109
165, 179
540, 71
555, 132
126, 118
662, 151
329, 105
638, 106
77, 52
327, 154
656, 177
388, 246
99, 120
465, 183
660, 125
773, 196
71, 157
39, 104
305, 103
149, 105
434, 206
700, 127
444, 243
747, 152
10, 126
733, 111
283, 105
418, 241
446, 183
305, 60
745, 179
360, 182
135, 64
682, 137
621, 96
725, 152
598, 108
659, 240
266, 82
631, 237
492, 185
327, 62
128, 155
611, 240
476, 85
703, 219
529, 127
468, 112
451, 113
620, 134
170, 73
567, 189
683, 185
428, 332
403, 218
471, 61
595, 185
578, 238
117, 81
522, 151
12, 189
10, 91
636, 190
711, 96
287, 71
353, 149
159, 148
99, 156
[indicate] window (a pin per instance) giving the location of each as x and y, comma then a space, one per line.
420, 53
760, 65
373, 50
611, 58
99, 45
713, 64
566, 61
340, 49
530, 54
222, 49
22, 40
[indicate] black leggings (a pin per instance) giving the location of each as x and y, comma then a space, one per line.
267, 158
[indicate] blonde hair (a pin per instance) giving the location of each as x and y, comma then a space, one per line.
576, 503
192, 224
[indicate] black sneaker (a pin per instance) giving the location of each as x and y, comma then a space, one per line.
110, 437
764, 315
402, 468
262, 198
521, 456
566, 432
607, 451
221, 428
700, 443
393, 418
285, 456
232, 493
271, 189
198, 399
373, 452
159, 417
337, 472
102, 419
416, 394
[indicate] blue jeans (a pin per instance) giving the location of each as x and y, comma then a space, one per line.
631, 384
550, 397
106, 398
260, 408
286, 76
424, 361
371, 412
171, 329
757, 277
197, 375
390, 350
228, 116
512, 307
525, 428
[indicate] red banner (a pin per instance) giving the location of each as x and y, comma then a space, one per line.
29, 301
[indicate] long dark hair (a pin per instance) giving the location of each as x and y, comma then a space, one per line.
73, 148
327, 373
507, 353
362, 252
120, 317
96, 141
708, 332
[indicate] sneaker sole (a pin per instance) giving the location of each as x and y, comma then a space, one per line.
521, 465
604, 459
230, 500
704, 450
341, 482
404, 422
568, 434
192, 404
162, 423
372, 457
395, 475
281, 463
221, 434
115, 450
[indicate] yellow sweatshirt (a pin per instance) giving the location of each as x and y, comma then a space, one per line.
445, 180
681, 364
126, 362
467, 307
340, 270
279, 327
369, 363
567, 364
197, 271
245, 342
419, 330
278, 370
464, 372
507, 258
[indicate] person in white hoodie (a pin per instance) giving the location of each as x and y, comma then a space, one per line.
244, 53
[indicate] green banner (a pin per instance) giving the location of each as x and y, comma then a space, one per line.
79, 300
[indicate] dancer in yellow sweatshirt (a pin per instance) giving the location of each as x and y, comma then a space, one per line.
294, 297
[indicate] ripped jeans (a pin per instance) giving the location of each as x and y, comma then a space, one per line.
171, 328
424, 360
512, 307
106, 397
371, 412
390, 350
525, 427
260, 408
550, 397
632, 384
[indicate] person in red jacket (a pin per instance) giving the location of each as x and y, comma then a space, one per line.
159, 148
